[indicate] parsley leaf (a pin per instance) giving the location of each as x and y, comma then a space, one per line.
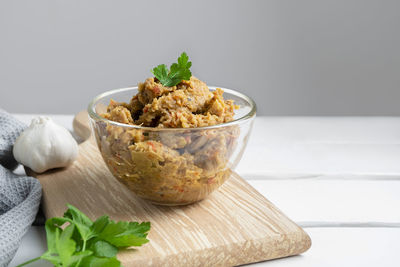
161, 73
81, 221
104, 249
124, 234
178, 72
78, 256
86, 243
93, 261
65, 245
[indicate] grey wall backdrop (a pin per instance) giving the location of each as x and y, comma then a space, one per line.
304, 57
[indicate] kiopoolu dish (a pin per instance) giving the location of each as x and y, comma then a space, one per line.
170, 167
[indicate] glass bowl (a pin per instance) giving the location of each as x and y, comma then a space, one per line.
171, 166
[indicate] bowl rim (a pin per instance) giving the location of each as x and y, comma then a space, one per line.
94, 115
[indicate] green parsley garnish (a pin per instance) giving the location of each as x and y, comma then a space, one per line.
86, 243
178, 72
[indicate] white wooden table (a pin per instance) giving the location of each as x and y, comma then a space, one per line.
339, 177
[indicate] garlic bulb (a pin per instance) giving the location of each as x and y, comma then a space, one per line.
45, 145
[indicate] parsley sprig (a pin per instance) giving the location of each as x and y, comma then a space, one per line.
178, 72
86, 243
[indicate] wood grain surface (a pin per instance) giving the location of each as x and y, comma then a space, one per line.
235, 225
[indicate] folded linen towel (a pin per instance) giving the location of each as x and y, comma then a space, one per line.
19, 195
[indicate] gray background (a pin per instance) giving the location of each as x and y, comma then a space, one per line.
293, 57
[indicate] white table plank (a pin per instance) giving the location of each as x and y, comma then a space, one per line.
33, 245
353, 247
295, 146
334, 200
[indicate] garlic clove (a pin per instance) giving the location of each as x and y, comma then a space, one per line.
45, 145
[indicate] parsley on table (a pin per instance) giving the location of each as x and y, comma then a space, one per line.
178, 72
86, 243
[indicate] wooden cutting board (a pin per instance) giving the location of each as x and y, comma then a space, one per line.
235, 225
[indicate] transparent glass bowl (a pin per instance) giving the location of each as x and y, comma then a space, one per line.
171, 166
